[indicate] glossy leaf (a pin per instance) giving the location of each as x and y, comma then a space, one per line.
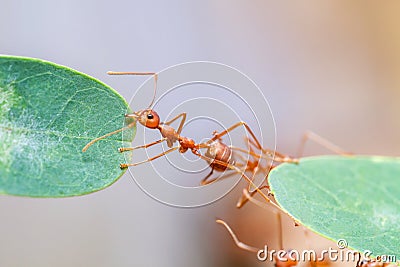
47, 114
351, 198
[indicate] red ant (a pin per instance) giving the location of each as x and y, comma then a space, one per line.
219, 155
285, 261
282, 258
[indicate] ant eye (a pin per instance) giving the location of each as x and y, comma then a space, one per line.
149, 118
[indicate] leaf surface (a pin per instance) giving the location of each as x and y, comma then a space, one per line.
47, 114
352, 198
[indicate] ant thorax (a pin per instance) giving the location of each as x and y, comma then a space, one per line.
169, 133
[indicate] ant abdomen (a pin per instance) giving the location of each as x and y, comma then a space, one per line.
219, 152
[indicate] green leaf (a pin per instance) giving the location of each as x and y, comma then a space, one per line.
352, 198
47, 115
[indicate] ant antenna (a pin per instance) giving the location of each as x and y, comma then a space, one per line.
133, 123
155, 75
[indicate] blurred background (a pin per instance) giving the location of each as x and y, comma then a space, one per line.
327, 66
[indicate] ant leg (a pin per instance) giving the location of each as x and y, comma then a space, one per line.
250, 152
123, 149
321, 141
238, 124
249, 197
245, 196
233, 167
126, 165
275, 155
242, 200
287, 262
276, 212
280, 231
235, 239
253, 166
183, 115
250, 144
205, 182
255, 142
224, 176
107, 135
263, 205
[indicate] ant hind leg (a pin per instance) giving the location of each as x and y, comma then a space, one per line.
235, 239
224, 176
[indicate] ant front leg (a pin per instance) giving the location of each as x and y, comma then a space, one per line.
123, 149
126, 165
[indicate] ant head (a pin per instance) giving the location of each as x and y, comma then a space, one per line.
148, 118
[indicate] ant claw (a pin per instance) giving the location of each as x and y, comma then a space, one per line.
121, 149
123, 166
